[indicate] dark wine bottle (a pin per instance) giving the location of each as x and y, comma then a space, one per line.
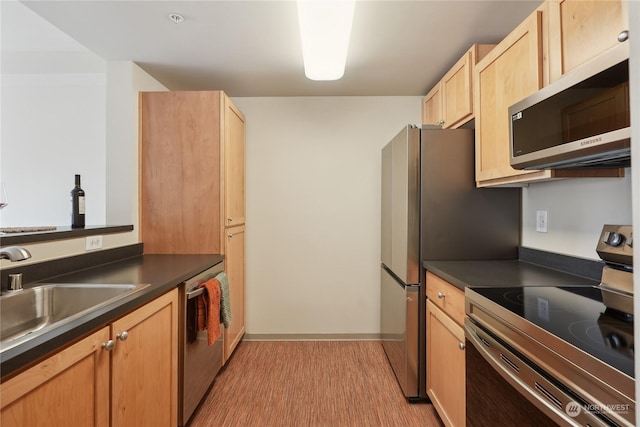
77, 205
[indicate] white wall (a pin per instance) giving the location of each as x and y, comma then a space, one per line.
313, 210
66, 111
53, 122
577, 209
124, 80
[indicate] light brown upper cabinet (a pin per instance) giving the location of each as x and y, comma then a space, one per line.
450, 103
513, 70
510, 72
192, 149
233, 154
580, 30
432, 113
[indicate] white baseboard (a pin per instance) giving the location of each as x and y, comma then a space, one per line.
311, 337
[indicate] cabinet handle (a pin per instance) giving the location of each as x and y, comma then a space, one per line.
230, 235
623, 36
461, 345
108, 346
441, 295
122, 336
229, 219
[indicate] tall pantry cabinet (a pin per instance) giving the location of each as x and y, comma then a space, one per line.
192, 177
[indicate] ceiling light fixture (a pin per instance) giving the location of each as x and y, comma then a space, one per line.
325, 28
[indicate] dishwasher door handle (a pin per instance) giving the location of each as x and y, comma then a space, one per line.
194, 293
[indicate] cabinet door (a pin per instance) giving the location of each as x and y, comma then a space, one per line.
235, 267
432, 113
70, 388
144, 376
234, 162
180, 172
509, 73
445, 366
580, 30
456, 92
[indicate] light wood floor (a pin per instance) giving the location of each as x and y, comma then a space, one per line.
325, 383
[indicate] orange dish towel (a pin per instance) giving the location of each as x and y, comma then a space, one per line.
208, 310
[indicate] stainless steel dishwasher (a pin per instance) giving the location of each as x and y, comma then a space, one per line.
199, 363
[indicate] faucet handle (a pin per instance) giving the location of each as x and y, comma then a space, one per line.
15, 282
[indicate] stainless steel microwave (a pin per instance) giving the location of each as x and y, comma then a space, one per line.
580, 121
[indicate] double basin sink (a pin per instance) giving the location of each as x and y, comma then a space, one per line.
32, 312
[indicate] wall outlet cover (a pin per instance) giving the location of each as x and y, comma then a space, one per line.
93, 242
541, 221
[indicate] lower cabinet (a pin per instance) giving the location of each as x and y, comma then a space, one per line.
144, 365
445, 364
234, 265
70, 388
122, 375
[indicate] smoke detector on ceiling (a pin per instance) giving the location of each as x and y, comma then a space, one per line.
176, 18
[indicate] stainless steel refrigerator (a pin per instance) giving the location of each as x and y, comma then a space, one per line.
432, 210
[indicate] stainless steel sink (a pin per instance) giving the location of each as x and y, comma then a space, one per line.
31, 312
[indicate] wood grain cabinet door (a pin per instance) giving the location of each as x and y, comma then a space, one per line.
180, 167
70, 388
509, 73
234, 165
144, 377
445, 366
235, 269
457, 87
580, 30
432, 112
457, 93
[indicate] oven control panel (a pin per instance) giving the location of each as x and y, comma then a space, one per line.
616, 244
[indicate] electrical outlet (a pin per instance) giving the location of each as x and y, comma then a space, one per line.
541, 221
93, 243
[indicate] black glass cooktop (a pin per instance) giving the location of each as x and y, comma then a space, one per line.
576, 315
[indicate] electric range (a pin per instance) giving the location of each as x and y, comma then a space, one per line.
568, 350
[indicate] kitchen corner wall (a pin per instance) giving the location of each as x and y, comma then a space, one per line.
313, 211
125, 80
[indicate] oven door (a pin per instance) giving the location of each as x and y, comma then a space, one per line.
504, 388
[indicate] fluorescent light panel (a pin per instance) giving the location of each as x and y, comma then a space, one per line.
325, 28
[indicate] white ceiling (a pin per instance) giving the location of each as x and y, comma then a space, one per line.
252, 48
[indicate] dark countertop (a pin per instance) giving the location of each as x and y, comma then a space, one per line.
60, 233
506, 273
162, 272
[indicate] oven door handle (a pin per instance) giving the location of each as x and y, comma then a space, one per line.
528, 382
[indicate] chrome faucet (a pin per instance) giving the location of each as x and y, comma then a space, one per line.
14, 253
